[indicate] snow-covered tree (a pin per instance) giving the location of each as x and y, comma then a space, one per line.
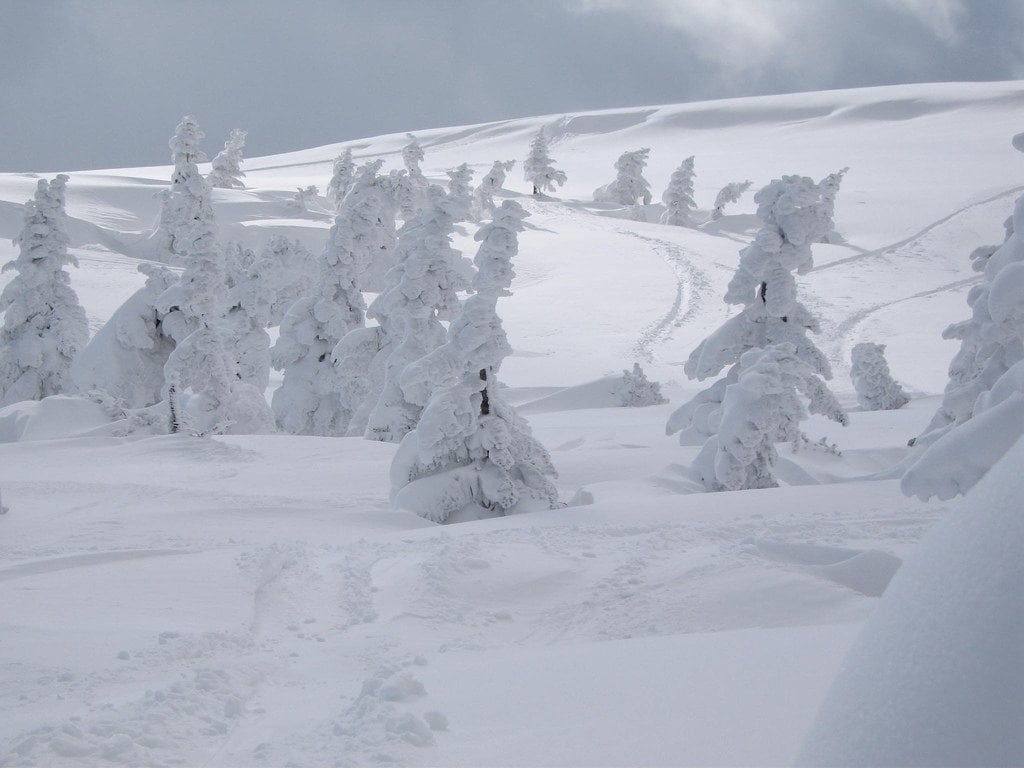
341, 179
125, 358
678, 196
307, 402
44, 325
876, 388
987, 348
291, 269
303, 196
966, 438
460, 181
730, 193
226, 168
179, 204
472, 455
761, 408
491, 184
368, 210
412, 186
765, 287
252, 291
637, 391
201, 387
829, 189
630, 185
422, 291
538, 168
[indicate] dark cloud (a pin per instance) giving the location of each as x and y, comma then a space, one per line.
90, 84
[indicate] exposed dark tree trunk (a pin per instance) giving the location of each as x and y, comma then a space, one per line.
173, 406
485, 405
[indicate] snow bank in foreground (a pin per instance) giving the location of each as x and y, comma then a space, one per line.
936, 676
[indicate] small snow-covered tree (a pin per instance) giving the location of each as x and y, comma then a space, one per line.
422, 291
471, 455
44, 325
876, 388
491, 184
180, 203
538, 168
125, 358
303, 196
460, 181
829, 190
760, 408
765, 287
637, 391
226, 168
343, 175
630, 185
413, 184
678, 196
730, 193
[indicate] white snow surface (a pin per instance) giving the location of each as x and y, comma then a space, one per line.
252, 600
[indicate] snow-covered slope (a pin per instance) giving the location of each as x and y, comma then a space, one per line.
252, 600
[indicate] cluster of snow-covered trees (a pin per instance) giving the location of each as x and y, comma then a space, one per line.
190, 350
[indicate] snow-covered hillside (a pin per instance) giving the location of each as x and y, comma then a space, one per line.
252, 600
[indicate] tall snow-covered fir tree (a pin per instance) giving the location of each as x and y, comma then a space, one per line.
678, 196
630, 186
764, 285
471, 455
201, 386
44, 325
179, 205
422, 291
876, 388
491, 184
730, 193
341, 178
308, 400
982, 411
226, 169
539, 169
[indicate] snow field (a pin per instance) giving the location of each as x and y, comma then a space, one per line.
253, 600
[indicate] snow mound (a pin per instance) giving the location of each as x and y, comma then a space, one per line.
51, 418
867, 571
936, 676
606, 392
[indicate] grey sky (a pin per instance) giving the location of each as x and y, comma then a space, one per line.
102, 83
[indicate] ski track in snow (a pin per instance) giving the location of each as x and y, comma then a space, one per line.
838, 334
691, 286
